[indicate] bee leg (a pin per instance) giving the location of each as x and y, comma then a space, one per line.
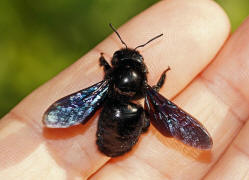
104, 63
146, 122
161, 81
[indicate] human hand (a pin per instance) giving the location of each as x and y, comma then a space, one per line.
212, 88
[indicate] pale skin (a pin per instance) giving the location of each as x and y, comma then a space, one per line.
209, 78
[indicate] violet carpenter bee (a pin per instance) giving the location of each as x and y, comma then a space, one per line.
121, 120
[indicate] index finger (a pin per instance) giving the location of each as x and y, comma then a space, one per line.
74, 150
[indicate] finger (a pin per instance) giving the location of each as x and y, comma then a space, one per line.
234, 164
74, 150
219, 98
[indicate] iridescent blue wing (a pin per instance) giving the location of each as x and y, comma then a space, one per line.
172, 121
76, 108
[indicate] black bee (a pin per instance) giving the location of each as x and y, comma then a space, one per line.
121, 120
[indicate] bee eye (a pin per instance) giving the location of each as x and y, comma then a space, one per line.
116, 57
115, 54
141, 58
114, 60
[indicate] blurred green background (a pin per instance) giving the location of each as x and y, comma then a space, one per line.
40, 38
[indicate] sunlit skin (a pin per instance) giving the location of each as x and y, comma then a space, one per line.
214, 88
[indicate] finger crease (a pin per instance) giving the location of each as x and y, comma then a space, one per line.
211, 86
241, 150
25, 119
159, 171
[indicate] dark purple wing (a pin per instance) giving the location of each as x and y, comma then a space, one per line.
172, 121
77, 107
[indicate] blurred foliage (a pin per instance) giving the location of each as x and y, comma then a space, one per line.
40, 38
237, 10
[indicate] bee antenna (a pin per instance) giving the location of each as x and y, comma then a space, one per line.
149, 41
118, 35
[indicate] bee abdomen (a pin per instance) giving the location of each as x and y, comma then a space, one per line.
119, 127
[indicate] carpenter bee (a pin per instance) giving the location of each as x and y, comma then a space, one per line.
121, 121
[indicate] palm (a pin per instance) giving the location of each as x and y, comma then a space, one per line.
216, 95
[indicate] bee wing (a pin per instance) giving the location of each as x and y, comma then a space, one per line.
76, 108
172, 121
